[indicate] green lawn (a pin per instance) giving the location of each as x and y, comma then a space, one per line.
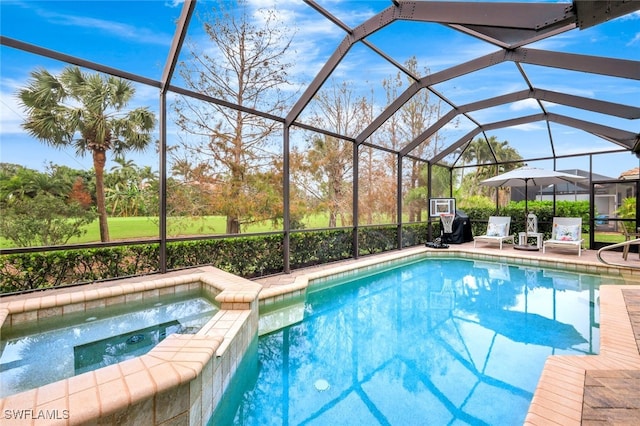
125, 228
606, 237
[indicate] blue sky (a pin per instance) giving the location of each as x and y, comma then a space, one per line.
135, 36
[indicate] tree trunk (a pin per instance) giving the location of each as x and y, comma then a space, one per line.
413, 183
237, 168
332, 219
99, 161
233, 225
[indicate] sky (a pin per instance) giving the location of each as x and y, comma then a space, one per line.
135, 36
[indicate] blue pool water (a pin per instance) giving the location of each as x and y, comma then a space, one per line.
433, 342
42, 352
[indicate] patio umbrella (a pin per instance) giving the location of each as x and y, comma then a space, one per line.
530, 176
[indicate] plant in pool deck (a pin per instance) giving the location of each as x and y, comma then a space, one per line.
85, 111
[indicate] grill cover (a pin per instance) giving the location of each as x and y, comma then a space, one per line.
460, 230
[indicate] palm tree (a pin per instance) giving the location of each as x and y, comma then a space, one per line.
85, 111
128, 187
484, 153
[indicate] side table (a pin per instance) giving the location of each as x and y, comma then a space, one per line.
522, 238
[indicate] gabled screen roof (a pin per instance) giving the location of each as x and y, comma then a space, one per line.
555, 79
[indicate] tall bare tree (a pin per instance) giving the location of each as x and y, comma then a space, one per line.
377, 176
330, 158
409, 122
243, 62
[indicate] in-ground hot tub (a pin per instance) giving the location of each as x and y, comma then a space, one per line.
180, 379
36, 353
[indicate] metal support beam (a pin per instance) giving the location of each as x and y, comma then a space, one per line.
182, 26
286, 199
612, 67
429, 195
52, 54
620, 137
167, 74
491, 126
354, 207
593, 12
399, 200
162, 184
588, 104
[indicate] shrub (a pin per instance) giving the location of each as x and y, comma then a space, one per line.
248, 257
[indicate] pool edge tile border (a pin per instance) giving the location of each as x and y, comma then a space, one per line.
559, 396
301, 282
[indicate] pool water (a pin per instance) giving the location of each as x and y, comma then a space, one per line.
42, 352
447, 341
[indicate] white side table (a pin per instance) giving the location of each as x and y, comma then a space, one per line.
522, 238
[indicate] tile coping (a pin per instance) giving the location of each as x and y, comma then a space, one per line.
278, 292
559, 396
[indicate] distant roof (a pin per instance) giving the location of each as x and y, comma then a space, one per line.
631, 174
571, 187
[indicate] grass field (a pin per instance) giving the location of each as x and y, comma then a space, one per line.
123, 228
126, 228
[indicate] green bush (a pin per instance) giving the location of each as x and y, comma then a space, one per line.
248, 257
542, 209
628, 211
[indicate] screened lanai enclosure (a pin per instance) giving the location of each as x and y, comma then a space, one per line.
141, 137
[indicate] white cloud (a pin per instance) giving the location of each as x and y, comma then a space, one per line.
11, 115
525, 104
120, 30
174, 3
634, 41
529, 127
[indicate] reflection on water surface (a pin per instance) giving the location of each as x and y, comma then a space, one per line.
431, 342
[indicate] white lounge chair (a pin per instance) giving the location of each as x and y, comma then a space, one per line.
566, 233
497, 231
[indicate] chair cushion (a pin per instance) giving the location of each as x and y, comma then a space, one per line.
567, 233
496, 229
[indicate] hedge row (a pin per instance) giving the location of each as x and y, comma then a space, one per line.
542, 209
248, 257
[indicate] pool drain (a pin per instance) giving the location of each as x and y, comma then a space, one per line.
321, 385
136, 338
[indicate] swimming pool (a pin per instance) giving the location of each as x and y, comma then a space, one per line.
430, 342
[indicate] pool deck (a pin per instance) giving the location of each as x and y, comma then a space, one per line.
601, 389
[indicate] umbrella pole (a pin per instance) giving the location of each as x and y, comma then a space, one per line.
526, 245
